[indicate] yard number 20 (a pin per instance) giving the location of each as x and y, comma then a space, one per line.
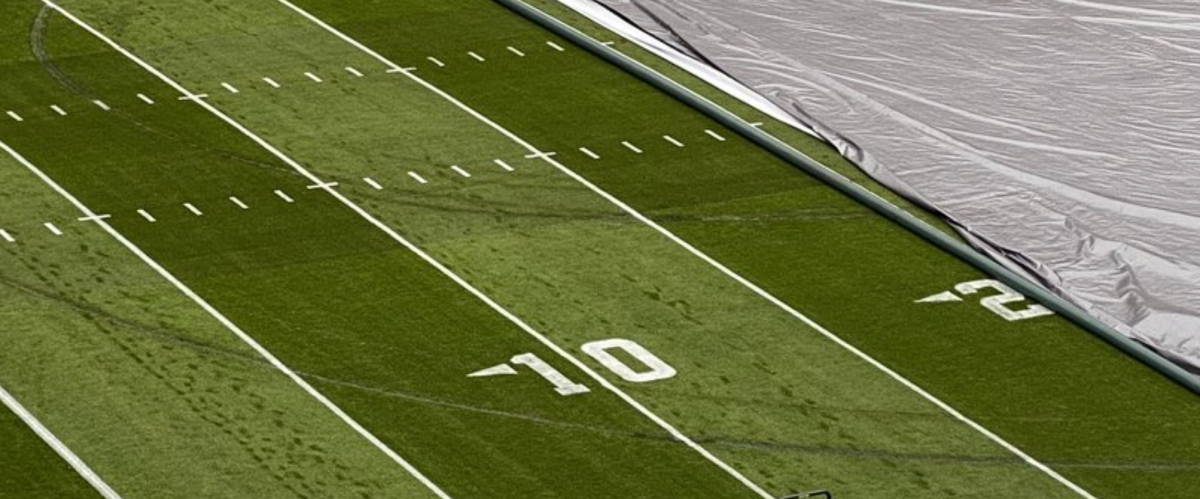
999, 303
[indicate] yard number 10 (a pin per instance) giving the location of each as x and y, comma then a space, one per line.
652, 368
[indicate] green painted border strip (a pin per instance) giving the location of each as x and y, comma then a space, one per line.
858, 193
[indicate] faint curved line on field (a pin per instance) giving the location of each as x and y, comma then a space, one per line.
37, 35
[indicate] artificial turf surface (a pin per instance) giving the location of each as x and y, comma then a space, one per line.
391, 340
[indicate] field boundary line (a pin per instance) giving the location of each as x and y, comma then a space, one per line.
246, 338
50, 439
535, 152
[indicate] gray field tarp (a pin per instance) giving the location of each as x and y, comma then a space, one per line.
1060, 136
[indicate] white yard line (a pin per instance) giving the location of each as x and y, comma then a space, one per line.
283, 195
418, 178
6, 236
192, 208
313, 77
58, 110
146, 215
15, 116
59, 447
556, 46
477, 57
232, 89
100, 104
516, 51
589, 153
715, 264
371, 182
632, 147
238, 202
53, 229
672, 140
502, 164
434, 60
146, 99
271, 82
715, 135
458, 169
354, 72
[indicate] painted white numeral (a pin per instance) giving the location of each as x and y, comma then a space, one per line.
998, 303
658, 369
562, 384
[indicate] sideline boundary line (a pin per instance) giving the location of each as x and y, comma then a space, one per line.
59, 447
246, 338
712, 262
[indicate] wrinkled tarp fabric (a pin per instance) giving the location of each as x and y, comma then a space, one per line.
1060, 136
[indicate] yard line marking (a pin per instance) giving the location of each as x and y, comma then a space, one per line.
589, 153
313, 77
631, 147
283, 195
434, 60
371, 182
537, 153
232, 89
192, 208
516, 51
60, 448
6, 236
58, 110
100, 104
457, 169
95, 218
556, 46
272, 82
75, 462
756, 124
146, 215
400, 70
146, 99
15, 116
475, 56
715, 135
322, 185
354, 72
502, 164
719, 266
238, 202
193, 97
672, 140
53, 229
608, 44
418, 178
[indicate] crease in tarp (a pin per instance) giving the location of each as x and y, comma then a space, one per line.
1060, 137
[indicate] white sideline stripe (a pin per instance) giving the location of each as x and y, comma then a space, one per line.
283, 195
516, 51
475, 56
370, 437
555, 46
238, 202
232, 89
146, 215
192, 208
631, 147
418, 178
272, 82
58, 110
505, 166
434, 60
672, 140
534, 152
457, 169
733, 275
313, 77
100, 104
60, 448
354, 72
589, 153
53, 229
371, 182
7, 237
337, 411
146, 99
715, 135
15, 116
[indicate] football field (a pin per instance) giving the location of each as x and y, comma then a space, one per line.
429, 249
